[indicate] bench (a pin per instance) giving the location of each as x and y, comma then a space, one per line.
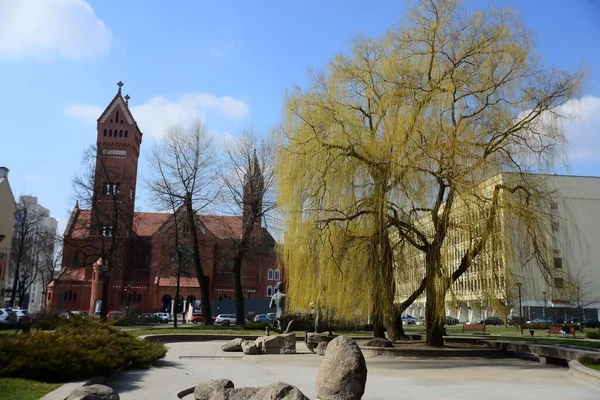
558, 330
474, 327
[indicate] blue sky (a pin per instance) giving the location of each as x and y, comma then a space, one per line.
229, 62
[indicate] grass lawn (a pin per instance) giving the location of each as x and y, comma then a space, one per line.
592, 366
23, 389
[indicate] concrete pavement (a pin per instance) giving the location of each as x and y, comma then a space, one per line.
189, 363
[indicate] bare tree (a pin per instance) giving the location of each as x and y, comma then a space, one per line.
582, 292
184, 181
102, 189
29, 239
249, 180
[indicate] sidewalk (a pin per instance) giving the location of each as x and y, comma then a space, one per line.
190, 363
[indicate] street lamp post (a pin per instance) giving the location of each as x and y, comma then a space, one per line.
544, 314
128, 292
519, 284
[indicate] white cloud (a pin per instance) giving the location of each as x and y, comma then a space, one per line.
157, 113
87, 113
68, 28
583, 129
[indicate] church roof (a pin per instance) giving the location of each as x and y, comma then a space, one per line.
146, 224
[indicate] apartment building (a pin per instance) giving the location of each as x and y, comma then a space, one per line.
556, 283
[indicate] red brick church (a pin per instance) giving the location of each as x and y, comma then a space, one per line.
144, 275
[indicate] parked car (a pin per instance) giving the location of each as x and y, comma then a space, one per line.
408, 319
71, 314
115, 314
8, 319
225, 319
451, 320
23, 314
195, 318
264, 318
147, 319
540, 321
163, 317
492, 321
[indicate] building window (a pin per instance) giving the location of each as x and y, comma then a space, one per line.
559, 283
554, 226
557, 262
49, 296
111, 188
269, 291
107, 230
270, 274
105, 132
126, 132
121, 133
117, 118
139, 298
70, 298
277, 276
75, 296
110, 133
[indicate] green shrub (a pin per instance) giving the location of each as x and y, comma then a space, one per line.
254, 326
592, 334
79, 348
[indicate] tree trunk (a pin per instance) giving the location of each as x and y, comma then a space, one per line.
240, 317
13, 294
435, 307
395, 329
378, 329
104, 305
203, 279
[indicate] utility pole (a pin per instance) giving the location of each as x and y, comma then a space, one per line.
519, 284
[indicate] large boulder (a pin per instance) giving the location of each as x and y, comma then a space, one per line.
321, 348
277, 344
93, 392
343, 372
244, 393
279, 391
206, 389
312, 340
249, 347
233, 345
379, 342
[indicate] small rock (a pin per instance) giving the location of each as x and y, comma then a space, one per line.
205, 390
321, 347
249, 347
343, 372
93, 392
379, 342
278, 344
233, 345
244, 393
278, 391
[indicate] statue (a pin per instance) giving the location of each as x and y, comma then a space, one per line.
278, 300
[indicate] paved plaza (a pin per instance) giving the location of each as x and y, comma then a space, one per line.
187, 364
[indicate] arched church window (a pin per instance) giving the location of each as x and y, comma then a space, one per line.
110, 133
121, 121
111, 120
121, 133
277, 275
105, 132
270, 274
269, 291
75, 296
117, 119
125, 132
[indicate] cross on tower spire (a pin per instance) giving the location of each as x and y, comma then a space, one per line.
127, 99
120, 84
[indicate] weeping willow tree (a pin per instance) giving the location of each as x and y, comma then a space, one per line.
389, 148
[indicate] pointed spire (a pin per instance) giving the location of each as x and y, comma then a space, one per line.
127, 99
120, 84
76, 203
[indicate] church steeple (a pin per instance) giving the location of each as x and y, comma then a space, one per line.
118, 145
253, 192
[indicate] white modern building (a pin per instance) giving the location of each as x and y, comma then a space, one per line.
566, 279
36, 267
